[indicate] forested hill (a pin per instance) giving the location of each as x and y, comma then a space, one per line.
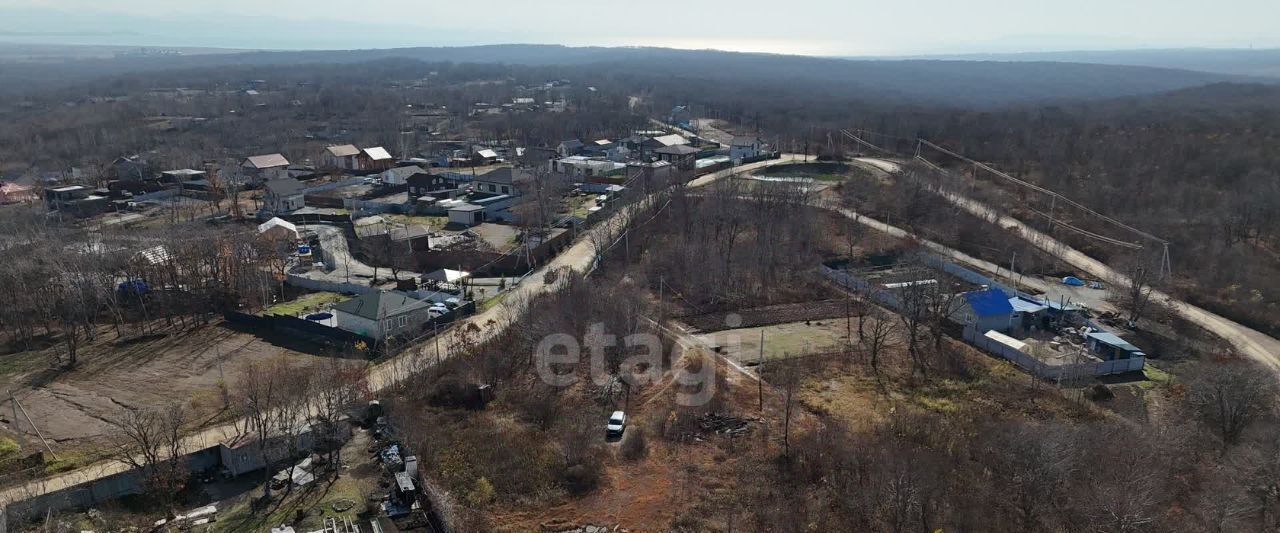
1245, 62
951, 83
1199, 167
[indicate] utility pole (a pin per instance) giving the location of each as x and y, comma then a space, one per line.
21, 438
15, 401
661, 311
437, 336
1053, 204
760, 372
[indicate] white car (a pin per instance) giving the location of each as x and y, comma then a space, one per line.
617, 424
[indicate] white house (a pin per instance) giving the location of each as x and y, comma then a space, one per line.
284, 195
266, 167
401, 175
343, 157
745, 147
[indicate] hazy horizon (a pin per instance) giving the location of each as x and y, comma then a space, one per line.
820, 27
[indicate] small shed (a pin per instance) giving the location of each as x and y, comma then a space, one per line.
1109, 347
466, 215
1029, 314
278, 229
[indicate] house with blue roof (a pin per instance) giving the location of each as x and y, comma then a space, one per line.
985, 310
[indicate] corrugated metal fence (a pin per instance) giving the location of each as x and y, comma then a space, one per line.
1052, 372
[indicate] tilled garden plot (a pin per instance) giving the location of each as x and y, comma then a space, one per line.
769, 315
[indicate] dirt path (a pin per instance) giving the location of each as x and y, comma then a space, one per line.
1250, 342
580, 256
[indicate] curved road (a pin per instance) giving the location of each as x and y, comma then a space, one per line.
383, 375
1253, 343
580, 257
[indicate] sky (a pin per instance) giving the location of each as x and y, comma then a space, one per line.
808, 27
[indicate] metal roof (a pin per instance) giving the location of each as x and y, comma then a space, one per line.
678, 149
671, 140
1005, 340
183, 172
406, 172
990, 302
344, 150
381, 304
285, 187
268, 161
377, 153
1022, 305
1111, 339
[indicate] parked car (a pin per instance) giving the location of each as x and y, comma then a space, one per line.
617, 424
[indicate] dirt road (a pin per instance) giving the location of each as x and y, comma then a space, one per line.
1250, 342
381, 376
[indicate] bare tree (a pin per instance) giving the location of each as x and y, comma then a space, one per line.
1136, 296
914, 299
875, 334
150, 439
1229, 397
259, 392
338, 387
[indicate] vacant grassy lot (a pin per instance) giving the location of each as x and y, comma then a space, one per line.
73, 407
781, 340
306, 303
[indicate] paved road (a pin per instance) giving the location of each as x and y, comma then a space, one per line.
1253, 343
579, 256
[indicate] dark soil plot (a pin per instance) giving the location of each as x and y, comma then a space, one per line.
769, 315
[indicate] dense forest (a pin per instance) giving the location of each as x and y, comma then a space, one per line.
1198, 168
985, 84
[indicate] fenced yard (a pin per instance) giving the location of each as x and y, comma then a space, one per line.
1048, 371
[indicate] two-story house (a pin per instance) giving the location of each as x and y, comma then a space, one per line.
267, 167
284, 195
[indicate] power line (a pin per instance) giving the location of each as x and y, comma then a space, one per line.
1166, 267
1049, 192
